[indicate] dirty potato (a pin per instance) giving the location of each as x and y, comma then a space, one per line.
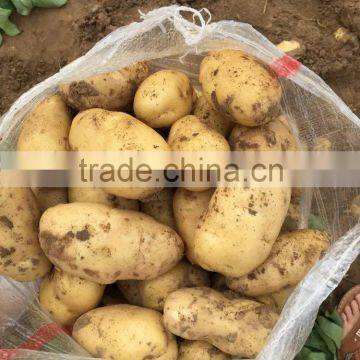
237, 327
291, 257
240, 88
152, 293
123, 332
103, 244
163, 98
66, 297
278, 298
21, 257
110, 91
200, 350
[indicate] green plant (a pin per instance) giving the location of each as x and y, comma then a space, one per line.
23, 7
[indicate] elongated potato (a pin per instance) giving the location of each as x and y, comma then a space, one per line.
278, 298
152, 293
21, 257
200, 350
163, 98
238, 327
291, 257
88, 240
99, 196
239, 228
212, 118
123, 332
240, 88
160, 207
66, 297
103, 130
189, 206
111, 91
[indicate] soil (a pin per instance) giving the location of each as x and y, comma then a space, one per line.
53, 38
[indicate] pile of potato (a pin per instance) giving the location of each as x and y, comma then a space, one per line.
204, 273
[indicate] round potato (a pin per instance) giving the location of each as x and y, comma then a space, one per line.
103, 244
212, 118
152, 293
291, 257
240, 88
160, 207
237, 327
21, 257
123, 332
200, 350
236, 233
111, 91
163, 98
189, 206
99, 196
66, 297
103, 130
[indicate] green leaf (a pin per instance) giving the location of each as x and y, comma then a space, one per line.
315, 223
332, 349
6, 4
315, 342
49, 3
303, 354
332, 330
316, 356
6, 25
21, 7
334, 317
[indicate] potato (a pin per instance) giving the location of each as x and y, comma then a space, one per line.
66, 297
111, 91
103, 244
189, 206
240, 88
49, 197
200, 350
21, 257
103, 130
210, 117
160, 207
237, 231
278, 298
238, 327
123, 332
99, 196
291, 257
152, 293
163, 98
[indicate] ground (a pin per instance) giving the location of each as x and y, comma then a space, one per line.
53, 38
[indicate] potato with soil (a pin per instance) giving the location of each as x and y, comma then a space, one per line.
237, 231
160, 207
237, 327
189, 206
200, 350
291, 257
212, 118
110, 91
99, 196
103, 244
163, 98
240, 88
102, 130
66, 297
152, 293
278, 299
123, 332
21, 257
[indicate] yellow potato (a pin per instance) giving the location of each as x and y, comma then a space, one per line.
103, 130
103, 244
160, 207
21, 257
278, 298
200, 350
111, 91
66, 297
238, 327
49, 197
152, 293
212, 118
123, 332
163, 98
99, 196
239, 228
291, 257
240, 88
189, 206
